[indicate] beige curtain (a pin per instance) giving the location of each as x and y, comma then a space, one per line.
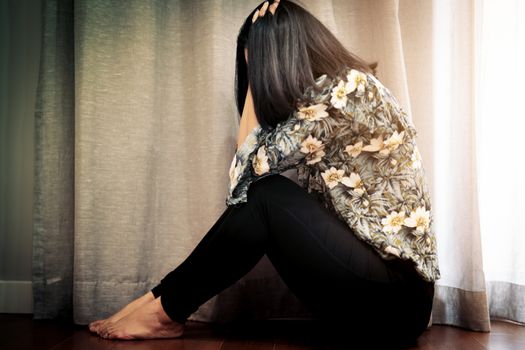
155, 125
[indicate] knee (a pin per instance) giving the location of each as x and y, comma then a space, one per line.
268, 185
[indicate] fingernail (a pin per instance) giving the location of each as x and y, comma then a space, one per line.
255, 15
264, 7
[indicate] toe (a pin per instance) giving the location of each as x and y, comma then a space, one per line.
116, 333
102, 328
94, 325
110, 335
121, 335
107, 333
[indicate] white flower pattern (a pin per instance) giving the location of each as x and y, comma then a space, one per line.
260, 162
334, 176
392, 143
313, 148
313, 112
392, 222
415, 158
339, 94
376, 144
234, 172
354, 150
355, 182
420, 219
356, 79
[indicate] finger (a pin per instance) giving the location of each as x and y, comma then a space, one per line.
273, 7
255, 15
264, 7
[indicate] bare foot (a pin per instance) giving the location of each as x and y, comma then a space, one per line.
98, 325
147, 322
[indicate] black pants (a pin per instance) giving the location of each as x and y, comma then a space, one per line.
338, 277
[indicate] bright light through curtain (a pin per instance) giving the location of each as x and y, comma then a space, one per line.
467, 111
461, 295
500, 53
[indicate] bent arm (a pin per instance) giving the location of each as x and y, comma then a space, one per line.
248, 119
268, 152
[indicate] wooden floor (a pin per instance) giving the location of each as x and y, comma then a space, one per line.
19, 331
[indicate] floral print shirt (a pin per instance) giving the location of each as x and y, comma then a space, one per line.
355, 149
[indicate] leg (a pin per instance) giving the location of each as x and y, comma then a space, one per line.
230, 249
315, 253
199, 252
336, 275
225, 254
339, 277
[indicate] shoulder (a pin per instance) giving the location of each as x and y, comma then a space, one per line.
370, 103
351, 95
352, 99
349, 87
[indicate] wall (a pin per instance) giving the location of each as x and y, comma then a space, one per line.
20, 41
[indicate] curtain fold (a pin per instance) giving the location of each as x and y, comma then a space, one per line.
54, 164
136, 126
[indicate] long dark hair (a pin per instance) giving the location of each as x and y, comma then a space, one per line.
287, 51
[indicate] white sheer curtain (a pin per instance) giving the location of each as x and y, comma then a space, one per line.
437, 41
500, 121
477, 50
461, 297
463, 73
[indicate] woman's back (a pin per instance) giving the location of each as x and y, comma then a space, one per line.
355, 148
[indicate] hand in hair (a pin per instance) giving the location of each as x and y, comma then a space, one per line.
262, 11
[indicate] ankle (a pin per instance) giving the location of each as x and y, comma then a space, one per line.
162, 316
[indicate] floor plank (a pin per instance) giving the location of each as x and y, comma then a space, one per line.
442, 337
22, 332
503, 335
197, 336
236, 344
84, 340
